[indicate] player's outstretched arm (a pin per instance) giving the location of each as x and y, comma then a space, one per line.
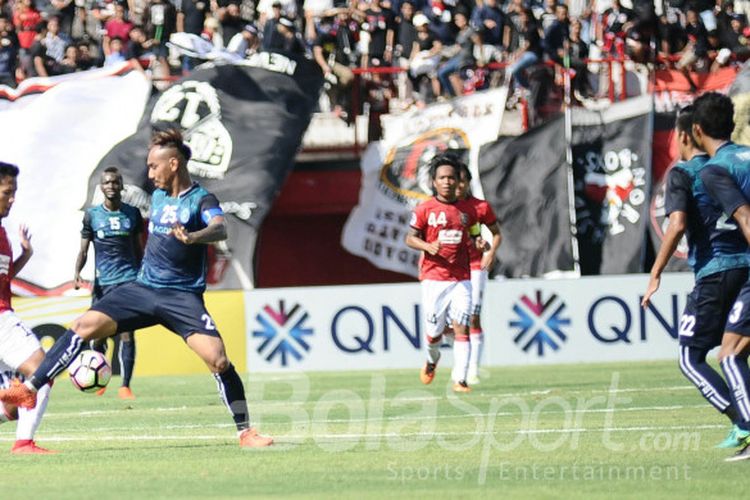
26, 250
675, 230
414, 240
83, 255
216, 230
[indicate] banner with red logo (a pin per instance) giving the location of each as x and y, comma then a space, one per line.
395, 177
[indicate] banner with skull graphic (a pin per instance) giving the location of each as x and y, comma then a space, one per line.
244, 123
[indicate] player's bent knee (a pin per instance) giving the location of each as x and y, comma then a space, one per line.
94, 325
28, 367
220, 364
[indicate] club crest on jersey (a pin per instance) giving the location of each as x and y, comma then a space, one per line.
100, 234
195, 107
184, 215
464, 219
405, 174
126, 223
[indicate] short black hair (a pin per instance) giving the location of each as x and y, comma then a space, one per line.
714, 113
445, 159
112, 170
684, 122
8, 170
171, 138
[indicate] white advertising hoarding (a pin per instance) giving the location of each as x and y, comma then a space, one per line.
531, 321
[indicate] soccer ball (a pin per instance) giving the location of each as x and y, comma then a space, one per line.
89, 371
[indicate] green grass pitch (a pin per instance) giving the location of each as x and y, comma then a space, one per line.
635, 430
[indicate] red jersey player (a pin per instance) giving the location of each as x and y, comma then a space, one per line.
20, 351
480, 263
442, 228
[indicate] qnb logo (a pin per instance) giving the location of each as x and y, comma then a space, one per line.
283, 333
540, 323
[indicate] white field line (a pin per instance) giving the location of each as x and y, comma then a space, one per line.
318, 437
371, 421
477, 396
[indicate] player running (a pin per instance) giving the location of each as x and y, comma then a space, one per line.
20, 351
480, 263
718, 256
441, 228
169, 288
727, 179
115, 229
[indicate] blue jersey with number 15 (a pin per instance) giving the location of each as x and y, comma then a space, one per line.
169, 263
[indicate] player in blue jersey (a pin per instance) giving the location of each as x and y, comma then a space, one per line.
718, 256
727, 179
115, 228
169, 288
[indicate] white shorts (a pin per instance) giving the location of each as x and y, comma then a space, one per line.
17, 344
478, 282
442, 300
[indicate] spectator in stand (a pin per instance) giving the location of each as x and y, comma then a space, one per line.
114, 54
557, 34
40, 63
332, 50
512, 26
26, 19
161, 22
212, 32
9, 49
274, 9
246, 42
406, 33
672, 37
735, 42
694, 55
117, 27
705, 9
546, 14
55, 41
725, 15
69, 63
268, 21
65, 11
424, 61
285, 38
579, 52
614, 23
137, 11
6, 9
231, 22
139, 46
378, 29
462, 55
191, 15
85, 59
488, 21
528, 54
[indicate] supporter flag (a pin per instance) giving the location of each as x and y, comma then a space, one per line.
56, 130
244, 124
612, 164
395, 177
525, 179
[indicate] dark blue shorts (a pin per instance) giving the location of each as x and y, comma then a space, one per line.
100, 291
134, 306
705, 317
739, 315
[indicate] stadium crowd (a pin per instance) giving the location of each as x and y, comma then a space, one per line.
445, 47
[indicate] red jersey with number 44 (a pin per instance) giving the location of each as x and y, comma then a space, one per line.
447, 223
486, 216
6, 264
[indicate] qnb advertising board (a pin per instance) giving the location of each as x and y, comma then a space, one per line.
525, 322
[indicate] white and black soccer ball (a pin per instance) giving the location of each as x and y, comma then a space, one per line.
90, 371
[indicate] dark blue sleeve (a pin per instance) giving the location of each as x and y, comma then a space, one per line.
722, 188
87, 231
137, 222
210, 208
679, 191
